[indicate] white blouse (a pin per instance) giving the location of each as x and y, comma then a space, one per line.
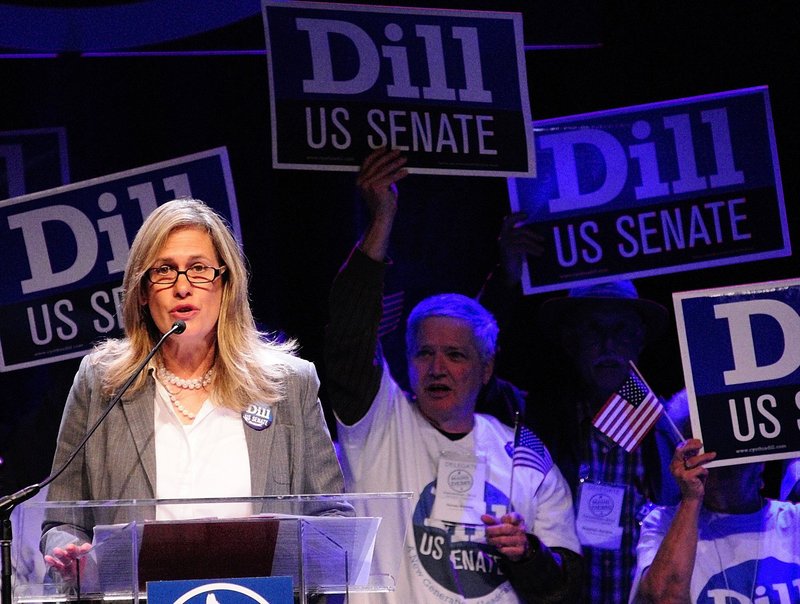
207, 458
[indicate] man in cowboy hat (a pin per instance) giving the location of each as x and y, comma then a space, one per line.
601, 328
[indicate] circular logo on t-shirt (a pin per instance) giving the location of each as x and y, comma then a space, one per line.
765, 581
456, 556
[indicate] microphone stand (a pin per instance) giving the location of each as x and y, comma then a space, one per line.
9, 502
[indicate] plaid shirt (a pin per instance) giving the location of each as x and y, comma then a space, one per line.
610, 572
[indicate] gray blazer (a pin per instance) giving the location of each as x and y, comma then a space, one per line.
294, 455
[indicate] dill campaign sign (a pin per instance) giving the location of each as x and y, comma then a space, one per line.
741, 363
64, 252
653, 189
448, 88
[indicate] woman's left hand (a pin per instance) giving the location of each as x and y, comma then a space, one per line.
68, 561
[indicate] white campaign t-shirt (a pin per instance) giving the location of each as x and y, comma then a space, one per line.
746, 558
394, 449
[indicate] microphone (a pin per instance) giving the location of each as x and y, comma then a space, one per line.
9, 502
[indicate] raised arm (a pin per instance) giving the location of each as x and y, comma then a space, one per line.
516, 242
669, 577
352, 356
376, 184
790, 484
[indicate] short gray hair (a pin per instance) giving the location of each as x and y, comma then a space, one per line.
456, 306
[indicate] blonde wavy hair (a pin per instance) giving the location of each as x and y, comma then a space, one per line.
246, 367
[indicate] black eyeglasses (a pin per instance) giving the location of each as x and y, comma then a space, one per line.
197, 273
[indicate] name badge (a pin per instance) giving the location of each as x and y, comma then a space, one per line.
460, 485
599, 512
258, 416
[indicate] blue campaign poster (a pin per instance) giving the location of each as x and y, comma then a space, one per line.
742, 368
447, 87
65, 251
653, 189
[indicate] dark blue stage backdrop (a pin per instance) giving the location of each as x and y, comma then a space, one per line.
32, 160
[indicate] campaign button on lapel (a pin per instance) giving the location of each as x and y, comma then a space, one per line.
258, 416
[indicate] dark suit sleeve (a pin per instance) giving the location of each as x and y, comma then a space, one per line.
548, 576
353, 360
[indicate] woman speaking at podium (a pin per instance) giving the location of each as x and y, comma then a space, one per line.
220, 410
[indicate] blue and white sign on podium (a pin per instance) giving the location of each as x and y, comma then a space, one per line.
265, 590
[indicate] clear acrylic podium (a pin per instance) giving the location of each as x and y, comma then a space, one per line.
328, 544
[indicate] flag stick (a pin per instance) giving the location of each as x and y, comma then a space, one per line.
674, 427
510, 506
666, 414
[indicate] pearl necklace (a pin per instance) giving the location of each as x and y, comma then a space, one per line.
181, 409
191, 384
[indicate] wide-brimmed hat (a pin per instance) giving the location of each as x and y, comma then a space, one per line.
556, 313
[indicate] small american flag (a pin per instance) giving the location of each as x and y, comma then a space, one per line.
629, 413
529, 451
